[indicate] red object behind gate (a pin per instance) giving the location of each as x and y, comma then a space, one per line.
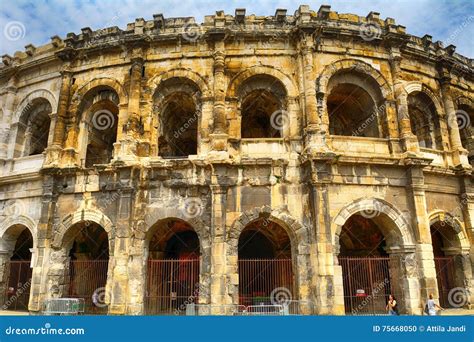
366, 283
87, 280
171, 284
17, 291
259, 277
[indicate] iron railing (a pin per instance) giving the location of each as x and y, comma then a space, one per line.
17, 291
293, 307
265, 310
259, 278
171, 284
366, 283
445, 274
87, 280
63, 306
215, 310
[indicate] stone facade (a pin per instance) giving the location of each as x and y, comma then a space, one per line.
305, 178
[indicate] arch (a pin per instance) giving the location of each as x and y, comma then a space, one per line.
28, 99
375, 207
451, 250
237, 80
197, 79
464, 101
84, 90
297, 233
352, 110
61, 280
160, 214
262, 99
31, 124
192, 223
157, 223
444, 217
357, 66
413, 87
85, 215
425, 114
464, 108
20, 220
17, 259
177, 106
96, 108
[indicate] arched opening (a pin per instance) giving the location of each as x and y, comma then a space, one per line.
263, 107
33, 128
15, 283
424, 120
265, 264
366, 271
89, 259
352, 105
173, 267
177, 102
99, 125
465, 119
447, 258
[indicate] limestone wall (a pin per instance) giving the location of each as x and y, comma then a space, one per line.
308, 181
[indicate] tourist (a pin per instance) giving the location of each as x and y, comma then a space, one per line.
431, 306
392, 306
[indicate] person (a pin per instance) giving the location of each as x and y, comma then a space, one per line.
431, 306
392, 306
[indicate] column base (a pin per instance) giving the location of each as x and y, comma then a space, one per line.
460, 159
218, 156
117, 309
69, 157
410, 144
219, 141
53, 156
316, 143
126, 150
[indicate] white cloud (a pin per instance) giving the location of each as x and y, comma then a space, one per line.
45, 18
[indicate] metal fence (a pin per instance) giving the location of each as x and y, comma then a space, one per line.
17, 291
87, 280
259, 277
293, 307
215, 310
265, 310
63, 306
445, 273
171, 284
366, 284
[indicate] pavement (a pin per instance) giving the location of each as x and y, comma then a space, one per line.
445, 312
457, 312
13, 313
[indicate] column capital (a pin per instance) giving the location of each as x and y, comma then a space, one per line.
137, 62
66, 73
219, 189
401, 250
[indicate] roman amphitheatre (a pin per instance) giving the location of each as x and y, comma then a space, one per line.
175, 167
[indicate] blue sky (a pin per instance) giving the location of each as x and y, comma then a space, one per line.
451, 21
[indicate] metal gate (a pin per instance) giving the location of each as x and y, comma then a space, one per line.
17, 292
171, 284
258, 278
87, 279
366, 284
445, 273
